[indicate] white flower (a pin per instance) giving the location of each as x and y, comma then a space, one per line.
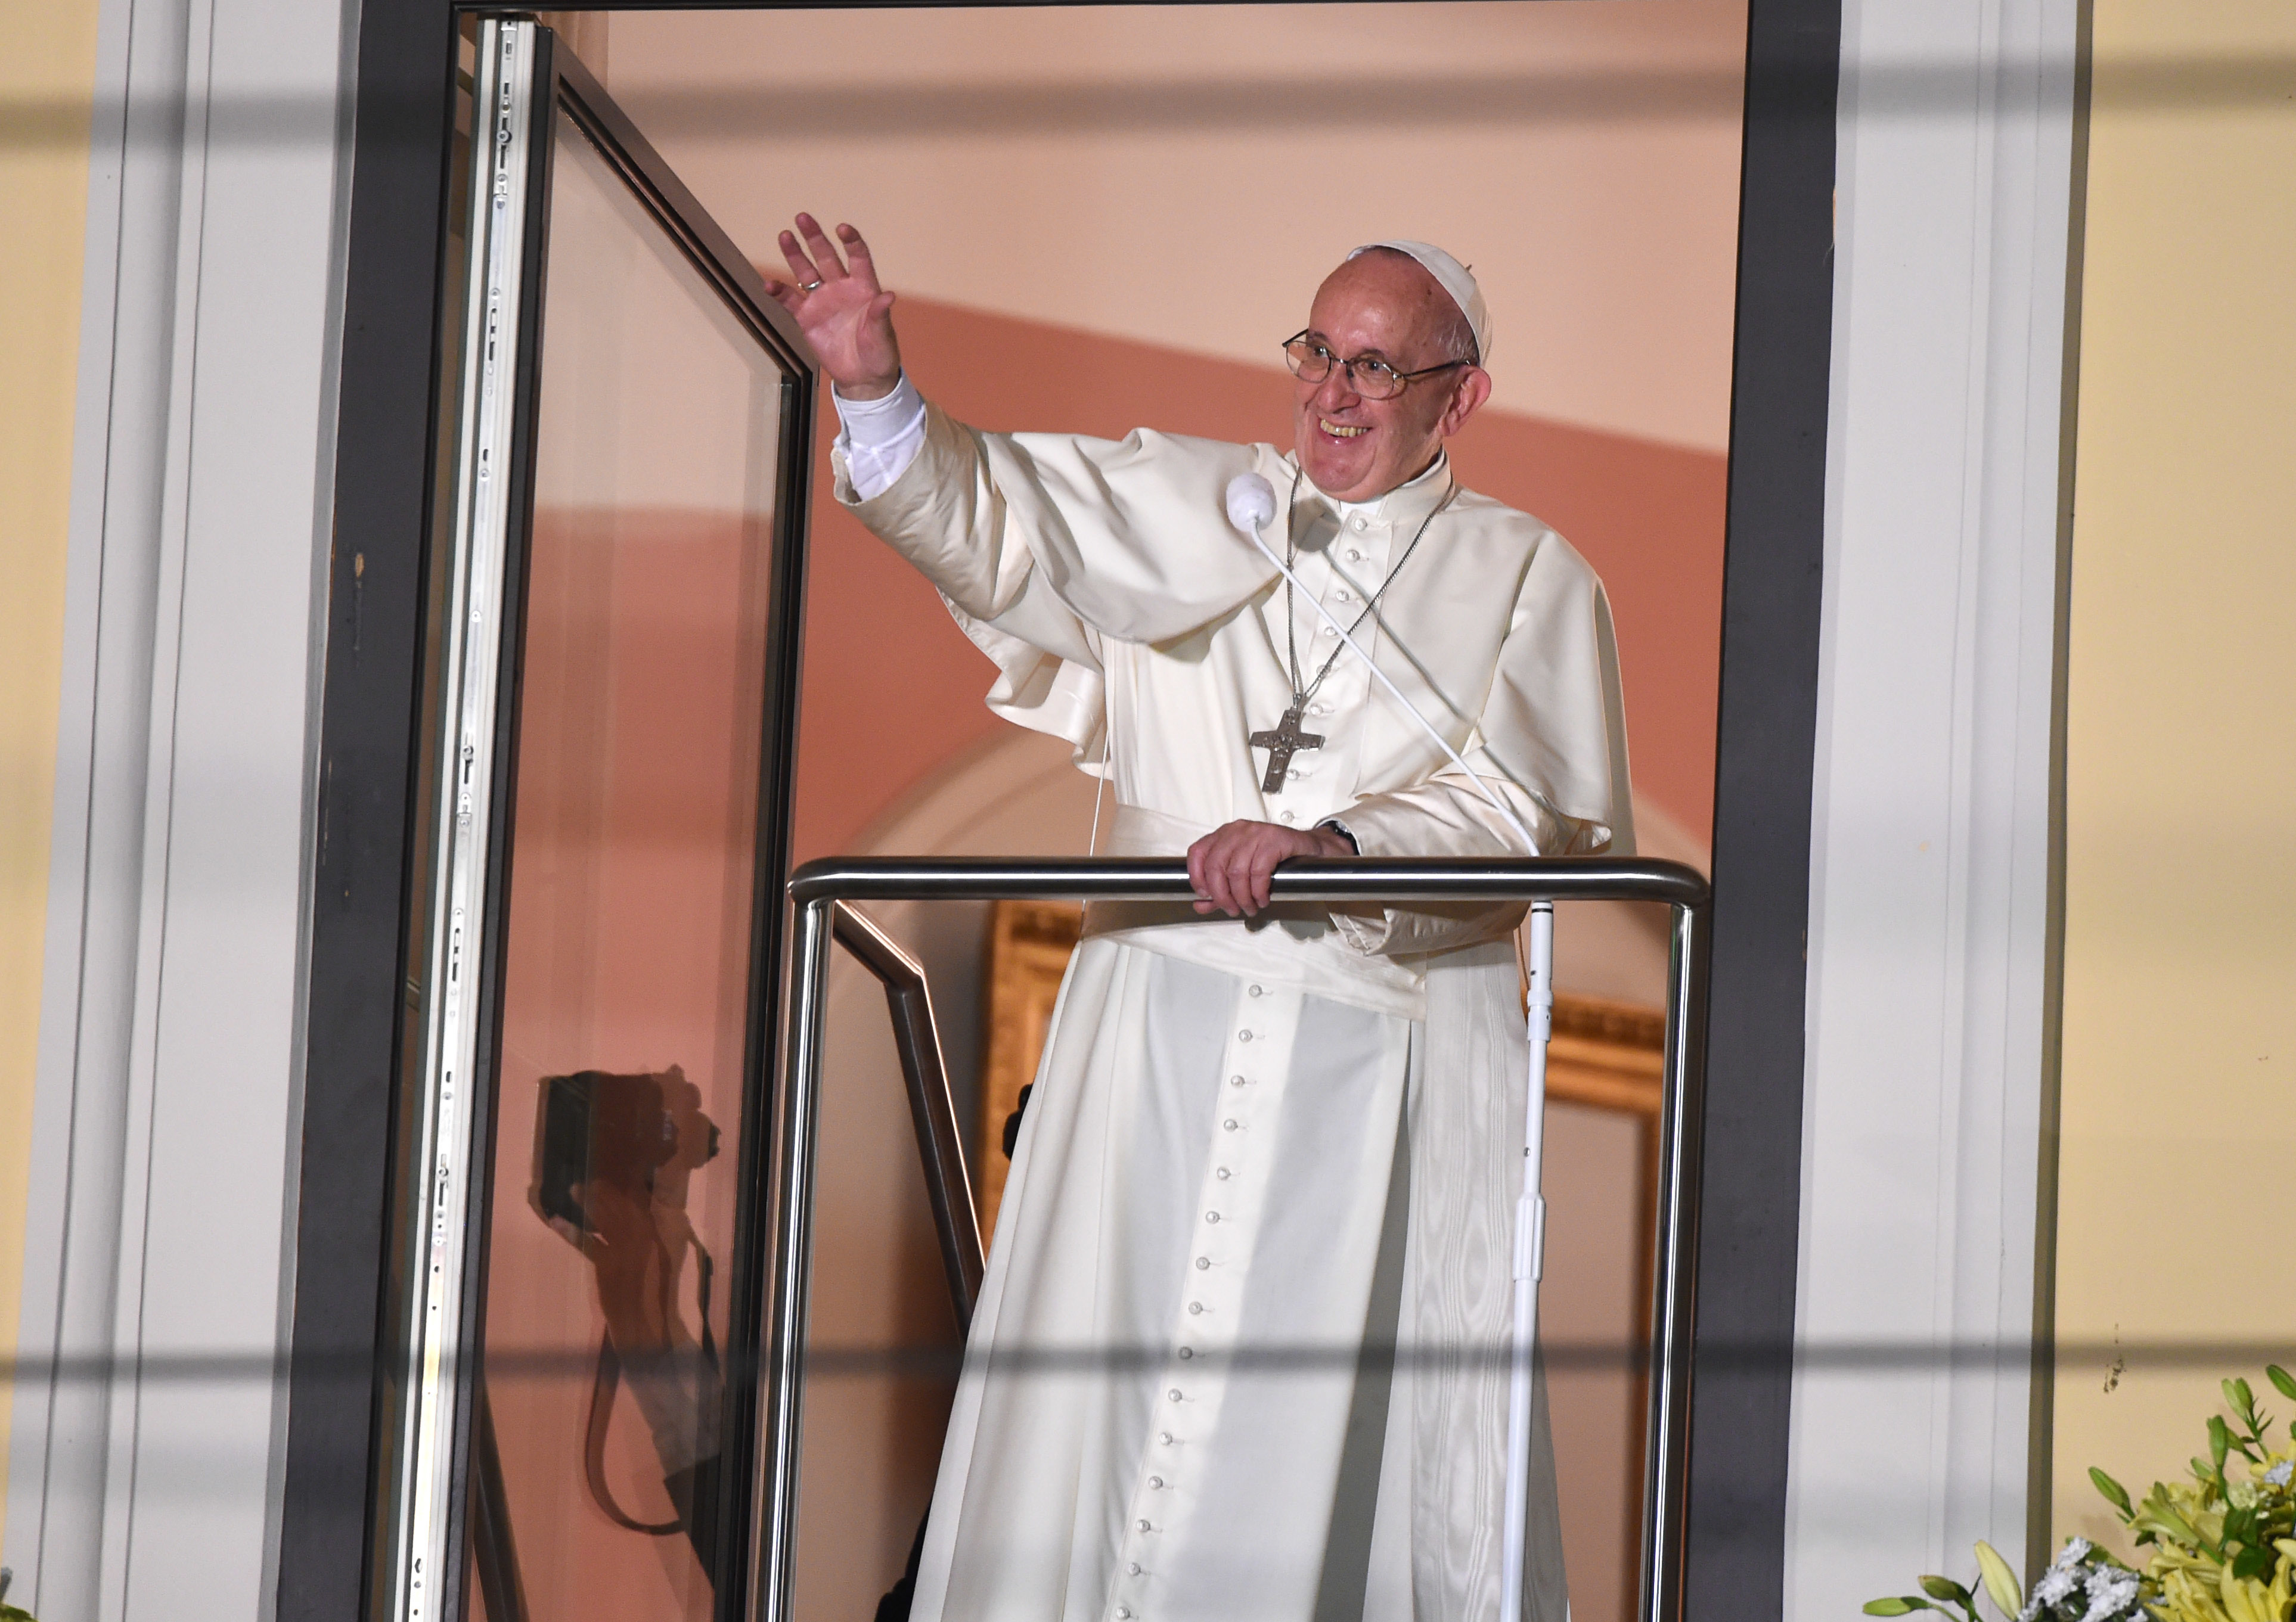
2058, 1584
2110, 1595
2279, 1473
2060, 1581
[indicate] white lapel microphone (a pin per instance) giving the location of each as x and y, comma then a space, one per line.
1251, 508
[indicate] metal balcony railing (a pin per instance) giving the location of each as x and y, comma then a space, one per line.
822, 892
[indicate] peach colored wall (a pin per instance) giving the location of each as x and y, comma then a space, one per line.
1102, 217
2178, 1096
1184, 175
893, 690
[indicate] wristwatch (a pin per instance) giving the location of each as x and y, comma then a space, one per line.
1341, 828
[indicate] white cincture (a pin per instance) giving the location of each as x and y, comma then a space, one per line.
1250, 507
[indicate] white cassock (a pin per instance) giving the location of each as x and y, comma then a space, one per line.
1259, 1155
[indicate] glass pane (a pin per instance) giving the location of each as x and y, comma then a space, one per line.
626, 952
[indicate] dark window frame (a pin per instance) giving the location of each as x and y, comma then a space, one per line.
394, 298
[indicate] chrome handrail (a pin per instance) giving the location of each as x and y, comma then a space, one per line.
819, 888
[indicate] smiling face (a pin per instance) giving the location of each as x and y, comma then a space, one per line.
1357, 449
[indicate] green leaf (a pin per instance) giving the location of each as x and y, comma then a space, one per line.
2008, 1594
2253, 1563
1945, 1588
1905, 1606
2242, 1399
2219, 1442
2283, 1381
2114, 1493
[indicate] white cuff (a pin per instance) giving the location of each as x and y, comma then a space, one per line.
879, 439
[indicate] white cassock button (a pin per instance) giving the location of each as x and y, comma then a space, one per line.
1224, 1174
1355, 522
1156, 1481
1228, 1126
1255, 991
1342, 596
1164, 1436
1203, 1262
1236, 1081
1283, 817
1141, 1524
1122, 1612
1323, 630
1187, 1352
1174, 1394
1354, 555
1214, 1215
1133, 1569
1244, 1035
1196, 1306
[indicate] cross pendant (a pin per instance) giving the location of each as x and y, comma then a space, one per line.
1283, 742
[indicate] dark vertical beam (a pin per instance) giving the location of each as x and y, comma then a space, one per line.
374, 637
2042, 1412
1750, 1212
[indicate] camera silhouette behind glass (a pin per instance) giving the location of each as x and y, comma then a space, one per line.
613, 1153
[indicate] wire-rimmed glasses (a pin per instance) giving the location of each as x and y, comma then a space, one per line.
1312, 361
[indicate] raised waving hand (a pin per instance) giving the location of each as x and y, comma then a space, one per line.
845, 314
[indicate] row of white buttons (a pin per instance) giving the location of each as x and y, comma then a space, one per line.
1239, 1083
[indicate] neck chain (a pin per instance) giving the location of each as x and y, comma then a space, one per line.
1285, 739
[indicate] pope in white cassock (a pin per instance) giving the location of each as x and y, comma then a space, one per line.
1268, 1145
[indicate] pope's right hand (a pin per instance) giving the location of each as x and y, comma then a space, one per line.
845, 314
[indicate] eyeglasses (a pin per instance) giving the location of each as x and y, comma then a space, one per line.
1311, 362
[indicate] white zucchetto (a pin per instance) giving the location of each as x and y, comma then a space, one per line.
1455, 279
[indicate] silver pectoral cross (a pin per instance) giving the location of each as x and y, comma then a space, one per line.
1283, 742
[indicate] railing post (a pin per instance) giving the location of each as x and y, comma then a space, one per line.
1667, 1441
780, 1439
1529, 1263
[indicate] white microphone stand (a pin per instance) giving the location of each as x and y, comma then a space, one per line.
1250, 506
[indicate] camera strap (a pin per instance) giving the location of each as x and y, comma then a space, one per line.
608, 1381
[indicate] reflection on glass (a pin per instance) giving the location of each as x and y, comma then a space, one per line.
626, 954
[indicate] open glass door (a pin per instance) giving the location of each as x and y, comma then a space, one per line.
613, 654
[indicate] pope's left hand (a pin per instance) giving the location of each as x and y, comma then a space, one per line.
1230, 867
